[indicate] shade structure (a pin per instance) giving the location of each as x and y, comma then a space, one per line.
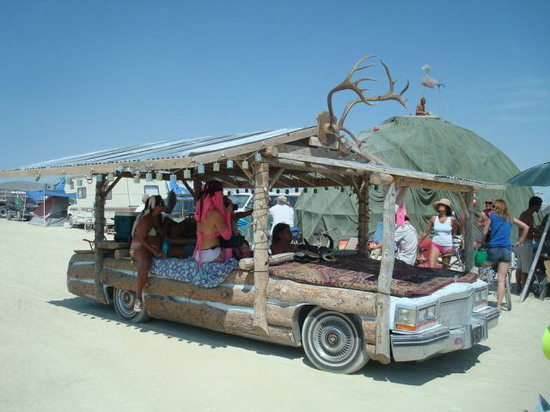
535, 176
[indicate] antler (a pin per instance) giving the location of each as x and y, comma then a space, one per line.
354, 85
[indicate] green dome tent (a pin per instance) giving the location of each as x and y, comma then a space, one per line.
423, 143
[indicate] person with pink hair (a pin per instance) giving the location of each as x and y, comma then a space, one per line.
213, 221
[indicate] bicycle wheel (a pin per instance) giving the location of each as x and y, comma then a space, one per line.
507, 294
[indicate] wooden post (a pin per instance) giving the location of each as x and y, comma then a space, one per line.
261, 255
363, 214
99, 235
469, 232
385, 278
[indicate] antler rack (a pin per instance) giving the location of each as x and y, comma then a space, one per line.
336, 127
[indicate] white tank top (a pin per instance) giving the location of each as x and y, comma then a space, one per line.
443, 232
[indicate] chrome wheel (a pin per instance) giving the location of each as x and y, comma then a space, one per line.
333, 342
124, 301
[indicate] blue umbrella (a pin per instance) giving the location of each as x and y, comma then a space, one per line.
535, 176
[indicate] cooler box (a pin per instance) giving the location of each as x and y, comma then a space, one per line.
124, 221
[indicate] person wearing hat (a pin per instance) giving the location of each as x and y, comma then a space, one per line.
444, 227
282, 212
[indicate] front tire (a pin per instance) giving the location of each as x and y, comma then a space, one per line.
123, 301
3, 212
333, 342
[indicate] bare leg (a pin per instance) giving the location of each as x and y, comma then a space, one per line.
143, 257
434, 255
446, 262
502, 273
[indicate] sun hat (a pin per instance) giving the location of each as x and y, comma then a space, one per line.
442, 201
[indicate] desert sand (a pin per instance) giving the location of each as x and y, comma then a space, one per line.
59, 352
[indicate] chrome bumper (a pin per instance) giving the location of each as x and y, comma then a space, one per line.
440, 339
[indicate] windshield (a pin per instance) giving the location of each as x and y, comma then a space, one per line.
240, 200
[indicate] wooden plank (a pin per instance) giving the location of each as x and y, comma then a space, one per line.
363, 215
237, 296
99, 236
338, 299
427, 184
79, 288
368, 167
369, 331
275, 177
469, 231
385, 276
248, 263
231, 321
261, 252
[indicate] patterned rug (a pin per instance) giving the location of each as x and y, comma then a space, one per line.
357, 272
209, 275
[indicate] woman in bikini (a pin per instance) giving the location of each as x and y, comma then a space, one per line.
146, 241
213, 221
444, 226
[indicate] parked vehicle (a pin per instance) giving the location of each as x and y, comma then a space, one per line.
19, 207
125, 197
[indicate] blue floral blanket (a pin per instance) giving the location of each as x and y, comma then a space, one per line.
209, 275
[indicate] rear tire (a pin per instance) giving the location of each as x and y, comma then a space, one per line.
333, 342
3, 212
124, 300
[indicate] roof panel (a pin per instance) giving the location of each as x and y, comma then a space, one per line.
179, 148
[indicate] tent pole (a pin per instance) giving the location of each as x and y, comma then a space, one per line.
44, 208
535, 261
469, 232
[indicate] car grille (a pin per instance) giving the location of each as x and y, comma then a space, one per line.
456, 313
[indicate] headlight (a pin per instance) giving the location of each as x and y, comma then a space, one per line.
481, 295
414, 319
405, 316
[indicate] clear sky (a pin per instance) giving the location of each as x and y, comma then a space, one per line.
77, 76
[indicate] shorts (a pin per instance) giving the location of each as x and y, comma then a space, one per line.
442, 249
524, 256
208, 255
499, 255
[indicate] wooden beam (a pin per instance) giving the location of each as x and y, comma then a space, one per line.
385, 277
261, 253
469, 231
189, 188
112, 185
275, 177
246, 172
291, 165
428, 184
415, 176
99, 235
363, 215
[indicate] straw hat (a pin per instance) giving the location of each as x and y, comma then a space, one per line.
442, 201
282, 200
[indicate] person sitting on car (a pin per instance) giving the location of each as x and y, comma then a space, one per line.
281, 242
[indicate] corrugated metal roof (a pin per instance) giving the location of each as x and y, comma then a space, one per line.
166, 149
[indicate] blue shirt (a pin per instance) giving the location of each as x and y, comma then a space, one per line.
500, 237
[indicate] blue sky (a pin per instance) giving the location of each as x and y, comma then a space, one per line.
77, 76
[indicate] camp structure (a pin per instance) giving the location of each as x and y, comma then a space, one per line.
422, 143
342, 314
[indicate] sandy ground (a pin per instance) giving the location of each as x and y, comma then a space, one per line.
59, 352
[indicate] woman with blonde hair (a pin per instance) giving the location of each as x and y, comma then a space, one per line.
499, 247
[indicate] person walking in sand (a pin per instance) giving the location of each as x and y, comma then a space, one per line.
499, 246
